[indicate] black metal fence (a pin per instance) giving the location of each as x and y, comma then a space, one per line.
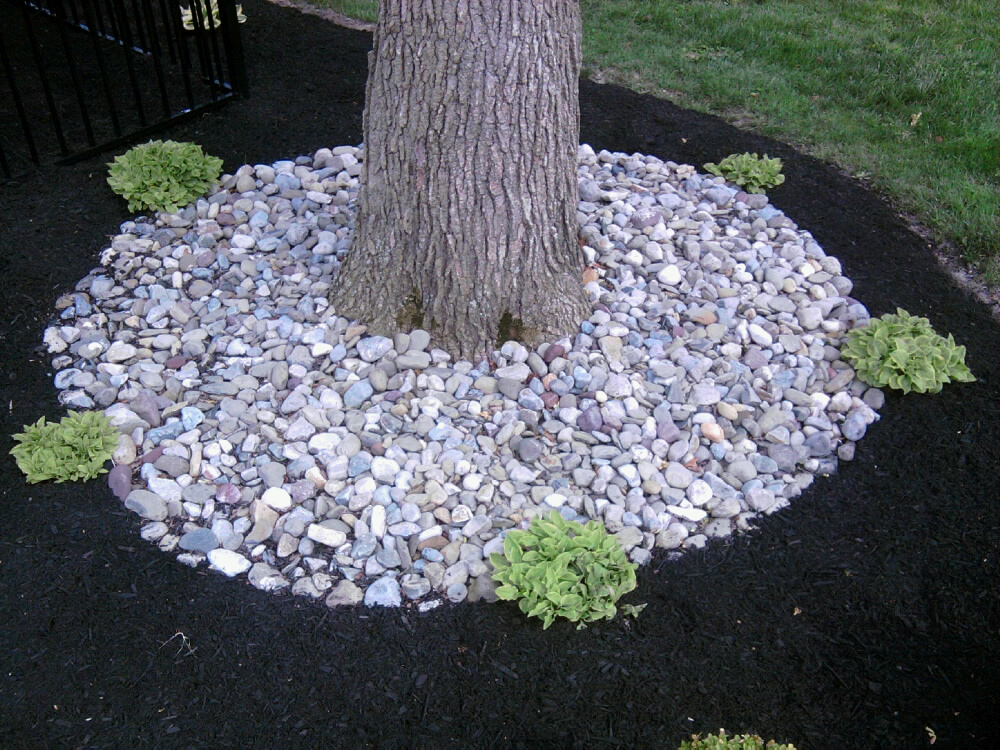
85, 76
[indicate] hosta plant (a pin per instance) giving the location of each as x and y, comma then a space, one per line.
74, 449
559, 568
749, 172
163, 175
903, 351
736, 742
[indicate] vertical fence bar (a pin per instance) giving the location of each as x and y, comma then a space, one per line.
140, 34
18, 104
171, 39
199, 19
233, 44
219, 72
154, 49
100, 20
99, 56
59, 12
173, 14
118, 8
215, 74
46, 89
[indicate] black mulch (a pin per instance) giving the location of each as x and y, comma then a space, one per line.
857, 618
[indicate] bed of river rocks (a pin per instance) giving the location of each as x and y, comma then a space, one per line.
264, 436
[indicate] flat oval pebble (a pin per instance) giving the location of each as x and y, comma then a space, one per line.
279, 440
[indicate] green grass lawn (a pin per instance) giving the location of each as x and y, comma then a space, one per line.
901, 92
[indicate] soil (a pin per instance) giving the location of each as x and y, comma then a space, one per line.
866, 615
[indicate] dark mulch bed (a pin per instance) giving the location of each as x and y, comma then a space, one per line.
858, 617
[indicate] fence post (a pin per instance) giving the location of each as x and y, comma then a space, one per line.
233, 43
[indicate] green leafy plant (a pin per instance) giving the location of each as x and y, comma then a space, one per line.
163, 175
75, 448
903, 351
209, 8
736, 742
560, 568
749, 172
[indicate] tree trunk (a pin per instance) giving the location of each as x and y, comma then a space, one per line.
466, 220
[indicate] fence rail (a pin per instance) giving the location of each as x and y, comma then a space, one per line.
87, 76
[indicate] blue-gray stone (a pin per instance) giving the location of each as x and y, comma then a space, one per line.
301, 465
384, 592
388, 557
720, 488
166, 432
720, 195
359, 464
199, 540
191, 417
440, 432
64, 378
101, 287
589, 191
668, 431
82, 305
363, 546
357, 394
827, 466
764, 464
785, 456
854, 426
590, 419
529, 450
530, 400
373, 348
818, 444
390, 422
287, 181
631, 519
258, 219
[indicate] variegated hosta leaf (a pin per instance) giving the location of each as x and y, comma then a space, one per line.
902, 351
558, 568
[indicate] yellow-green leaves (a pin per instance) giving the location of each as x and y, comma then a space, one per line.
560, 568
163, 175
902, 351
72, 450
749, 172
736, 742
210, 17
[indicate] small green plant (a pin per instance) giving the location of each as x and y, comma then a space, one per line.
736, 742
209, 8
560, 568
903, 351
749, 172
163, 175
74, 449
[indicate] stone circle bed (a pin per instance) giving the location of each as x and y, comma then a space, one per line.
266, 435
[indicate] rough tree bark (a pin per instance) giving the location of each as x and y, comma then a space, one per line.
465, 223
